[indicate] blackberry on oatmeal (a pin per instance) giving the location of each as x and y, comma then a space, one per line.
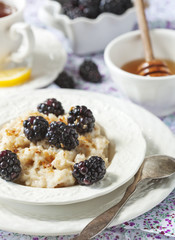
89, 171
35, 128
10, 167
81, 118
51, 105
62, 136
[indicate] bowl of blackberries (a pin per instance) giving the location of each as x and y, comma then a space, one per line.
89, 24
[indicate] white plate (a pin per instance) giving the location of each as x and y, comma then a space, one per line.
69, 219
49, 59
126, 152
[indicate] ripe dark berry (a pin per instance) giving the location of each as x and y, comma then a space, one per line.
53, 135
115, 6
72, 12
128, 4
69, 137
51, 105
89, 72
87, 3
82, 119
71, 9
62, 136
65, 2
35, 128
65, 81
90, 8
75, 2
90, 12
10, 167
89, 171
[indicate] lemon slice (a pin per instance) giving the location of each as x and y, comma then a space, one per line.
13, 77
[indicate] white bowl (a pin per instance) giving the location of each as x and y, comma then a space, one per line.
154, 93
87, 35
126, 150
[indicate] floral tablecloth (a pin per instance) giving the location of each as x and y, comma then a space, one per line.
158, 223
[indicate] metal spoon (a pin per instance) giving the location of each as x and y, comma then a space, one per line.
153, 167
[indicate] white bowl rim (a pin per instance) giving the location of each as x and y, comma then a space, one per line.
112, 44
88, 20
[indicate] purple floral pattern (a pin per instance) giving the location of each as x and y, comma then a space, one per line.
158, 223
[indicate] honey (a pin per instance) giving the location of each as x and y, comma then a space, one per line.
132, 66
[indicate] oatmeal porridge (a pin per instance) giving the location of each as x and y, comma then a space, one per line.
46, 165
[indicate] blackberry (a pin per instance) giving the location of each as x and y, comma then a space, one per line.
62, 136
65, 2
128, 4
90, 8
65, 81
75, 3
53, 135
81, 118
89, 72
90, 12
69, 137
10, 167
51, 105
81, 8
115, 6
71, 9
73, 12
35, 128
89, 3
89, 171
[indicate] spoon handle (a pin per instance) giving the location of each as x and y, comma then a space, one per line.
144, 30
102, 221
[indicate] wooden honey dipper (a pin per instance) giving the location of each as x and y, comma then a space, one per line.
151, 67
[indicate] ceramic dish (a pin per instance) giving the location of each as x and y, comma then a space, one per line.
49, 58
153, 93
97, 33
126, 151
70, 219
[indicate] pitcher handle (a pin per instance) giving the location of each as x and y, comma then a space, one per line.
27, 46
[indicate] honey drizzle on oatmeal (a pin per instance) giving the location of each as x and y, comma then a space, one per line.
63, 119
30, 162
12, 132
86, 141
47, 160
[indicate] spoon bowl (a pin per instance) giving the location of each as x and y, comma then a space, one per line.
158, 166
153, 167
